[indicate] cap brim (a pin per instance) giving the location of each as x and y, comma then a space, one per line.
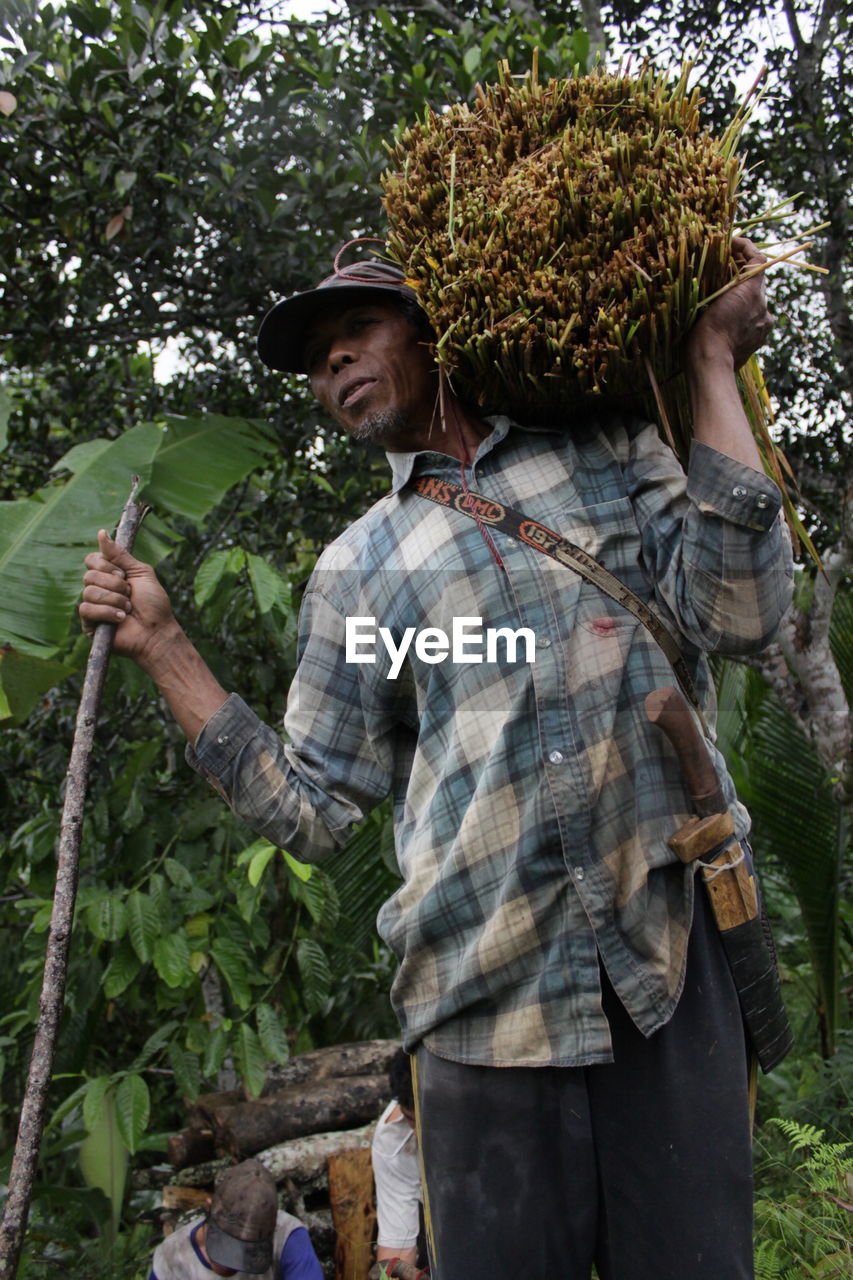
281, 337
252, 1256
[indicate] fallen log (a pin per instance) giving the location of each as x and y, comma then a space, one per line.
363, 1058
301, 1160
190, 1146
244, 1128
304, 1160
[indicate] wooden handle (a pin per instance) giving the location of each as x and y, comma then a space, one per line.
668, 709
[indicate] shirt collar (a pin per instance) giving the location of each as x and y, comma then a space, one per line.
404, 465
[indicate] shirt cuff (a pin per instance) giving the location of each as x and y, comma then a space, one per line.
733, 490
227, 731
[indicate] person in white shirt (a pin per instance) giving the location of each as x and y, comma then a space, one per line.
397, 1170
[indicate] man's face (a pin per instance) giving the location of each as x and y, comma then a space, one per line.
370, 368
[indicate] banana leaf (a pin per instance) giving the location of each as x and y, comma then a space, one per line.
186, 466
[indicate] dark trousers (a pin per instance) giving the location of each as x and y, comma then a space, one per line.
641, 1166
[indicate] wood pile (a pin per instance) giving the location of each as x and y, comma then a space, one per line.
312, 1128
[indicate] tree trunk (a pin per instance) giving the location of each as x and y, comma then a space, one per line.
245, 1128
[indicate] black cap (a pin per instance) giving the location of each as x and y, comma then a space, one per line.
281, 338
242, 1219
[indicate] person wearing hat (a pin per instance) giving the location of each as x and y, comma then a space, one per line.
243, 1233
579, 1054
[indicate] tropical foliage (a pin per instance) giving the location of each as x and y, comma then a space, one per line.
169, 169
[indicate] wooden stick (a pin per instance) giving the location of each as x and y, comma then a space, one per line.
34, 1104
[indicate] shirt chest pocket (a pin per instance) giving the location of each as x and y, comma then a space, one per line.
609, 533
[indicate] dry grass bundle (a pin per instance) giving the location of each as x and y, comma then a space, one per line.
562, 238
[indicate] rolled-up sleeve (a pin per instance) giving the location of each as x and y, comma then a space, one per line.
306, 791
717, 549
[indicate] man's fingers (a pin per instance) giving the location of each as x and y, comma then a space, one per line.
107, 579
93, 614
744, 251
118, 558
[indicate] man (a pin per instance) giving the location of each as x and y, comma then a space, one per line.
244, 1233
580, 1062
397, 1170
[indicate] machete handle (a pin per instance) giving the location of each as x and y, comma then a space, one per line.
669, 710
699, 836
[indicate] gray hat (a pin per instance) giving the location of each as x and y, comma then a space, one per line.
283, 331
242, 1218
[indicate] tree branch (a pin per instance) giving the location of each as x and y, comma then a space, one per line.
34, 1104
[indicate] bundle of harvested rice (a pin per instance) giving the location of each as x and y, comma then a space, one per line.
562, 239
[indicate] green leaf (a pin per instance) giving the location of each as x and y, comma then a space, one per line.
122, 970
180, 877
187, 1071
23, 681
67, 1105
103, 1157
271, 1032
259, 864
231, 963
215, 567
302, 870
44, 539
107, 918
133, 1107
315, 973
471, 60
143, 925
94, 1100
155, 1042
172, 959
271, 591
201, 458
250, 1060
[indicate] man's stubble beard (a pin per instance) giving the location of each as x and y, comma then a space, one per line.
376, 427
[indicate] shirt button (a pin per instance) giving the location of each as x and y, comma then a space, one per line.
543, 642
738, 491
556, 757
510, 542
762, 500
223, 738
579, 873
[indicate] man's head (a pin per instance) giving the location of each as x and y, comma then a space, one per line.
363, 340
283, 331
241, 1221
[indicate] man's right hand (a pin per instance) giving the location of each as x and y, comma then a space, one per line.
125, 592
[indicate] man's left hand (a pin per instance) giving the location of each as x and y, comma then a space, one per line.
737, 323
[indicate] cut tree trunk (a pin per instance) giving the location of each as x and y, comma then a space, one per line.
353, 1213
244, 1128
304, 1160
190, 1146
301, 1160
364, 1058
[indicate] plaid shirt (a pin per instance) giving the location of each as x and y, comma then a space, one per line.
532, 800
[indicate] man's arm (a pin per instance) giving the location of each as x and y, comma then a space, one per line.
304, 795
125, 592
727, 333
